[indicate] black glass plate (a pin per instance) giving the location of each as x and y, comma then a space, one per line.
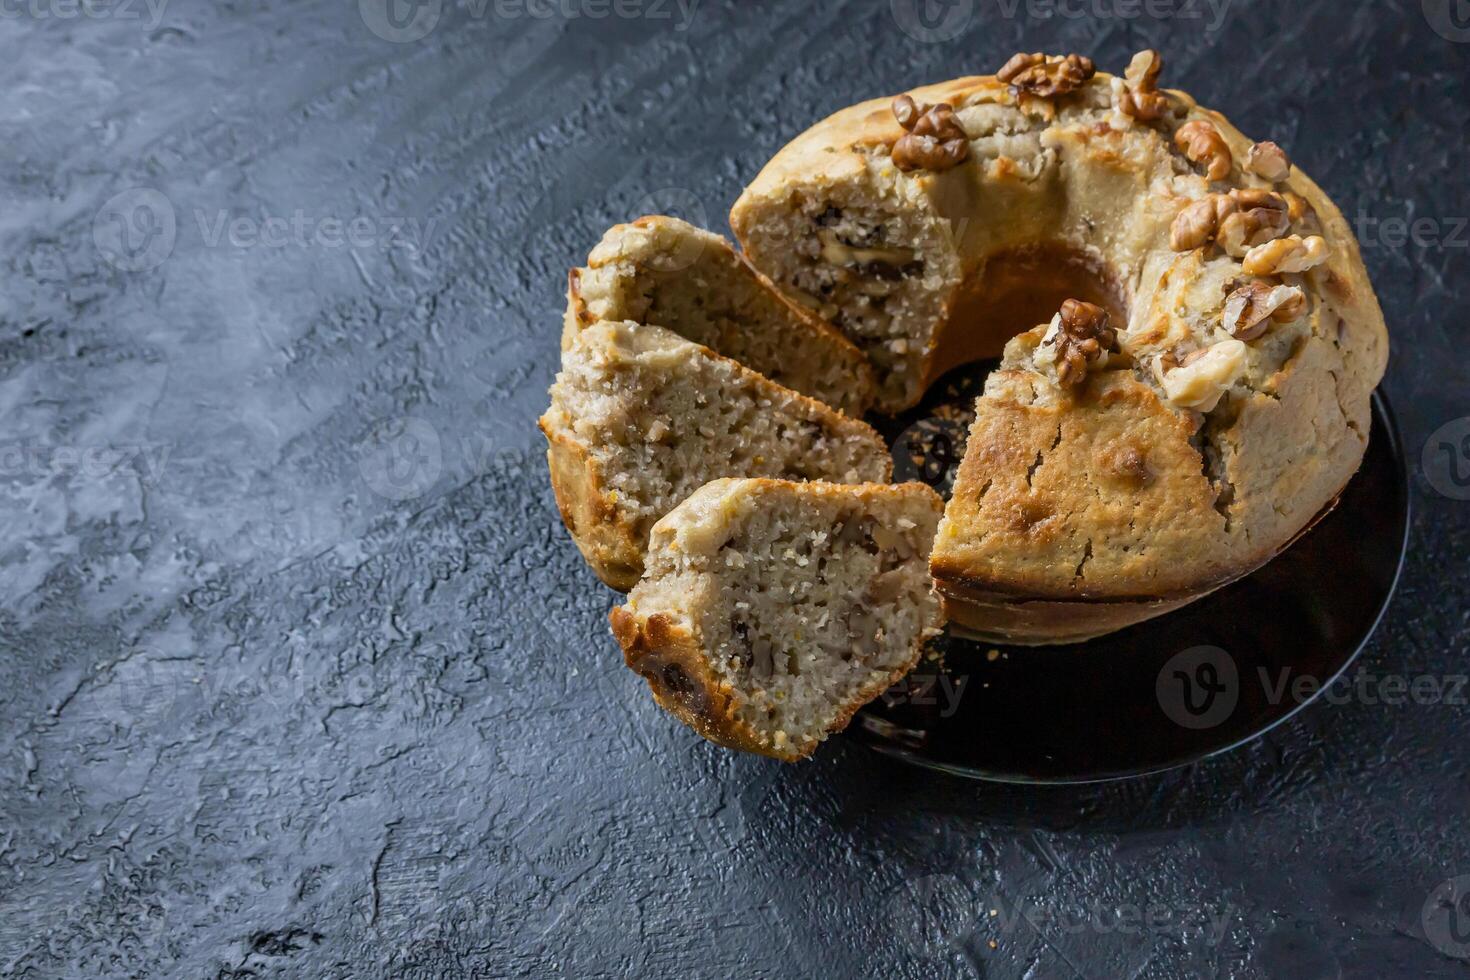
1165, 693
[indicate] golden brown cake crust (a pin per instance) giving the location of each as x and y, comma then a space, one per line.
604, 535
665, 655
1079, 511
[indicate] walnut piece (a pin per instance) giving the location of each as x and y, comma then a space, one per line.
1238, 221
1202, 143
1137, 96
1291, 254
934, 139
1079, 335
1044, 76
1201, 381
1253, 306
1196, 225
1262, 217
1269, 162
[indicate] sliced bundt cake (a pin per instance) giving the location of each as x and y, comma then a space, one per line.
640, 418
771, 611
665, 271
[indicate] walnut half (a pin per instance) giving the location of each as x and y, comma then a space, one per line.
1080, 335
1291, 254
1202, 143
1202, 380
934, 139
1262, 217
1238, 221
1268, 161
1138, 95
1047, 77
1253, 306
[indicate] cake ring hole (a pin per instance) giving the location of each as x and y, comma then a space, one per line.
1016, 290
1020, 288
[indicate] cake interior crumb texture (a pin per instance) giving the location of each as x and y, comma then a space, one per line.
807, 600
665, 271
662, 416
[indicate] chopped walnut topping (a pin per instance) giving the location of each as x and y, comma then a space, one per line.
934, 139
1196, 225
1262, 217
1044, 76
1201, 381
1239, 220
1291, 254
1269, 162
1253, 306
1299, 209
1202, 143
1138, 96
1080, 335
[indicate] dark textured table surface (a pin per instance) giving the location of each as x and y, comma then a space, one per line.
302, 676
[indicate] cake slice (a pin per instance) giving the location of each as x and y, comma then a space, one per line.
665, 271
771, 611
640, 418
